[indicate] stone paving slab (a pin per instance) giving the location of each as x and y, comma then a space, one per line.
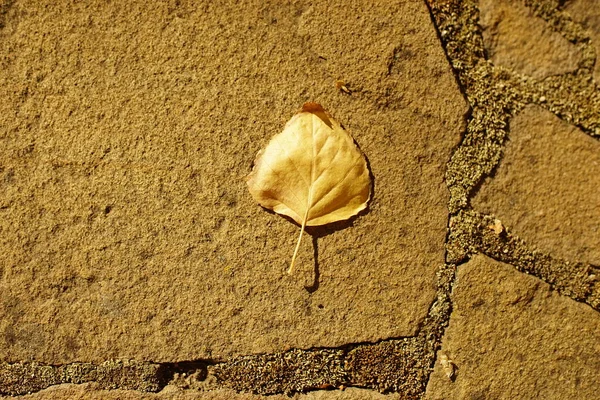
512, 337
517, 39
89, 392
547, 187
127, 130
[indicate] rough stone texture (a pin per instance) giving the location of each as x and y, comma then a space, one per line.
587, 13
90, 392
516, 39
546, 188
126, 129
349, 394
511, 337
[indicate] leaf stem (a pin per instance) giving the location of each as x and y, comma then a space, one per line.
298, 244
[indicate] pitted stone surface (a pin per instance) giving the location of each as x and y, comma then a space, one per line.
126, 131
512, 337
587, 13
516, 39
90, 392
547, 187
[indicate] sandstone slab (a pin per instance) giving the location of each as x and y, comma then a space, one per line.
547, 187
512, 337
126, 131
516, 39
89, 392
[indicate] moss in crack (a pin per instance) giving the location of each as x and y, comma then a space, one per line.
490, 92
23, 378
496, 93
474, 232
285, 372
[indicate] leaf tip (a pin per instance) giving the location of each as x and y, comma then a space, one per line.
319, 111
312, 107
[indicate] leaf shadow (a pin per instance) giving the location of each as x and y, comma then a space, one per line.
316, 281
317, 232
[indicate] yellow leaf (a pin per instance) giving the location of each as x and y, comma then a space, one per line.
312, 172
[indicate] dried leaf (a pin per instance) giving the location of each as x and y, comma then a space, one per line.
312, 172
341, 86
448, 366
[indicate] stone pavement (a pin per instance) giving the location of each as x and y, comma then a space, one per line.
135, 264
